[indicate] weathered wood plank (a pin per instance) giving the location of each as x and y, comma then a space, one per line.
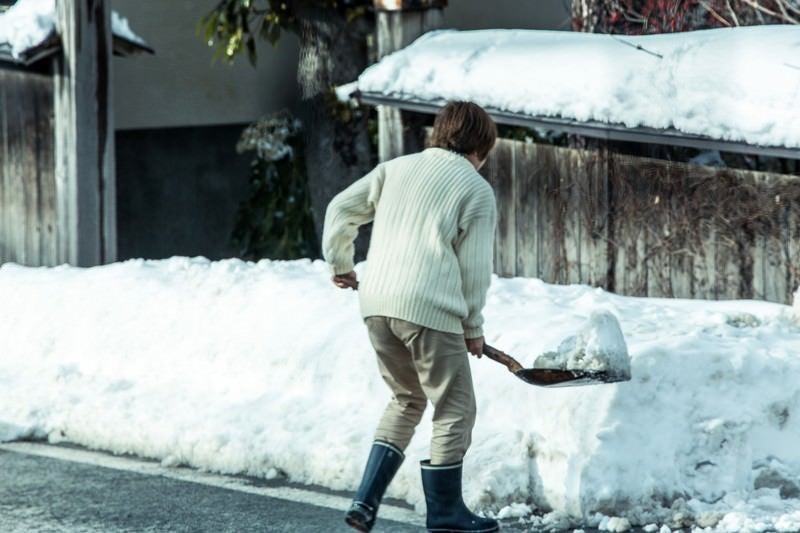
503, 180
528, 158
685, 235
18, 145
572, 173
46, 205
594, 215
3, 152
659, 232
792, 243
5, 100
551, 225
26, 167
643, 226
701, 232
630, 198
84, 134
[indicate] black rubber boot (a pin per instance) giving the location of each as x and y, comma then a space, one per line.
384, 460
446, 509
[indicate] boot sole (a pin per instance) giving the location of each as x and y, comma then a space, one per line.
355, 523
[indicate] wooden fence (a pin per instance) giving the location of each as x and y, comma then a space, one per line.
645, 227
27, 173
57, 187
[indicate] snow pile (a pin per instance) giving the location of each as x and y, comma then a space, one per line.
265, 369
28, 23
737, 84
599, 346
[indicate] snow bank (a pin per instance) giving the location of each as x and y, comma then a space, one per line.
28, 23
737, 84
266, 369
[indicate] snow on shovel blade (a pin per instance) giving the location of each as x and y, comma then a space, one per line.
551, 377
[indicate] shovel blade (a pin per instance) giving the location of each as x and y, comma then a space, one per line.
549, 377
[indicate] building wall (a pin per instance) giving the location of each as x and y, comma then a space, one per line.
174, 198
507, 14
178, 115
181, 85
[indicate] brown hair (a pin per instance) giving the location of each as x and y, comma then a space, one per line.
464, 127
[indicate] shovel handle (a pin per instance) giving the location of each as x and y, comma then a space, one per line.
501, 357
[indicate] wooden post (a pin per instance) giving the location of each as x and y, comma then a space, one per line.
84, 134
399, 22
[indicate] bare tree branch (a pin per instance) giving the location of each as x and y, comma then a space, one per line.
790, 6
638, 47
714, 14
732, 12
759, 7
785, 14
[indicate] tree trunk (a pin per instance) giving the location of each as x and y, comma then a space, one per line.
333, 51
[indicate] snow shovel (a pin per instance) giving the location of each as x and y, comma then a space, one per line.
552, 377
542, 377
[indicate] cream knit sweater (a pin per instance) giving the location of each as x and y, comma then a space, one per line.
431, 250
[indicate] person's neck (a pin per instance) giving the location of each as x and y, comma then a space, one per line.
473, 158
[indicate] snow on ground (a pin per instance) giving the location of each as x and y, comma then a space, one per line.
30, 22
265, 369
738, 84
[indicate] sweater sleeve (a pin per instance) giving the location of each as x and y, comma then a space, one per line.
351, 208
475, 251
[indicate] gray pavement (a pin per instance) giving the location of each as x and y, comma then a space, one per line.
43, 494
46, 488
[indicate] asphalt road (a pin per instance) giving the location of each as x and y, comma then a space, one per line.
46, 488
48, 494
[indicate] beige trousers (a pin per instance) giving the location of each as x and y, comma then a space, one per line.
420, 364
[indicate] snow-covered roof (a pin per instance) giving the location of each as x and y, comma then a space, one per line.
28, 32
733, 84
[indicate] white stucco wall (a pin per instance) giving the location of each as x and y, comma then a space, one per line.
179, 86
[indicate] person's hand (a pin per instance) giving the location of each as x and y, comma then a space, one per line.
346, 281
475, 346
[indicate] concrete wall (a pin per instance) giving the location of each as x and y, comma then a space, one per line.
178, 190
178, 117
179, 85
521, 14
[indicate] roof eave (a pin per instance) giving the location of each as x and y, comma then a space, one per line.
122, 46
125, 47
598, 130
